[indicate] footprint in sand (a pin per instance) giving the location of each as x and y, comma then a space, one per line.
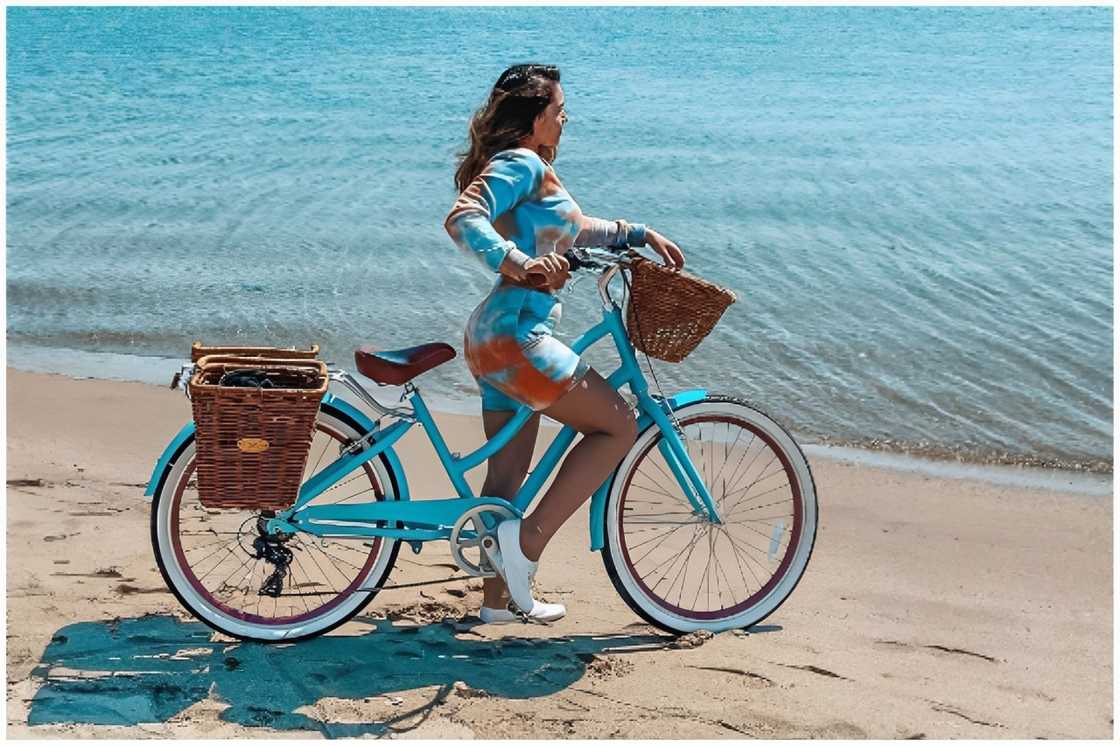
130, 590
752, 676
939, 648
28, 483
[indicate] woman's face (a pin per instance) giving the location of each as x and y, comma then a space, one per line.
549, 123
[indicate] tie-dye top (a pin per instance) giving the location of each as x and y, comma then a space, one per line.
517, 207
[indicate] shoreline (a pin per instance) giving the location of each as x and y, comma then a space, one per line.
902, 457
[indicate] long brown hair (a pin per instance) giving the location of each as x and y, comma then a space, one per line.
519, 96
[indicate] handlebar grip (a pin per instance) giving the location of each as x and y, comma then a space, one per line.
537, 280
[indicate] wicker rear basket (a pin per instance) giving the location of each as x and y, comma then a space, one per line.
198, 351
670, 312
252, 443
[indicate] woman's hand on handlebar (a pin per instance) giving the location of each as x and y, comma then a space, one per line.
669, 252
548, 271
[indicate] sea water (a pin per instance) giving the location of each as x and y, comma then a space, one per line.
913, 205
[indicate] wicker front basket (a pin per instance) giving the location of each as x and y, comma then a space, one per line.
199, 351
252, 443
670, 311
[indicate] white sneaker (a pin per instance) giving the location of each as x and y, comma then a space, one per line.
541, 612
514, 567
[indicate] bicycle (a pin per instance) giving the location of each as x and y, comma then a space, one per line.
707, 474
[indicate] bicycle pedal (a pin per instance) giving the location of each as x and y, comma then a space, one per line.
493, 555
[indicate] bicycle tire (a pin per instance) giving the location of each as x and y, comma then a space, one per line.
621, 571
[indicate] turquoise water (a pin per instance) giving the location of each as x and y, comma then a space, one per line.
914, 205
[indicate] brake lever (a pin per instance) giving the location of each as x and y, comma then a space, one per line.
575, 260
580, 258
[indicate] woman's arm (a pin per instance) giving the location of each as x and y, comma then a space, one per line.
509, 177
599, 232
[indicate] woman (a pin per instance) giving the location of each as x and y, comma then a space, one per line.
516, 217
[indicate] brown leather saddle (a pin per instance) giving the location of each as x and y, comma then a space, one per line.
397, 367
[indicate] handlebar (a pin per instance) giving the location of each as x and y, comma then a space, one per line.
594, 259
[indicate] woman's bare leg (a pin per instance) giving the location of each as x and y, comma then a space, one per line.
505, 472
609, 430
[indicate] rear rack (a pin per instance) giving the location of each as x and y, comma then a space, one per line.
182, 378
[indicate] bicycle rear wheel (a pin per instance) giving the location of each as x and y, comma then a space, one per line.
227, 573
681, 572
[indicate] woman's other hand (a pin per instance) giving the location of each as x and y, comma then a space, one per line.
548, 271
669, 252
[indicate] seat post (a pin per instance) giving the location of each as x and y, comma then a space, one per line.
359, 390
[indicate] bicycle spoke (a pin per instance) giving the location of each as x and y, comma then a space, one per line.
738, 434
746, 450
220, 560
720, 570
660, 491
295, 559
235, 571
700, 585
738, 554
666, 536
757, 507
222, 542
316, 563
344, 482
668, 477
744, 504
336, 557
779, 470
209, 532
763, 534
749, 557
248, 584
691, 549
671, 560
691, 544
351, 497
322, 453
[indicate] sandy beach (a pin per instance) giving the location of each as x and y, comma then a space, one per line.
932, 608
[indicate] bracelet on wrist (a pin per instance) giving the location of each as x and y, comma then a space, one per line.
636, 234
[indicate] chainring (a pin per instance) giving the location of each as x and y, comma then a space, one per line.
469, 532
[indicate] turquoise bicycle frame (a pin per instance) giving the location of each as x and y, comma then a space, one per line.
426, 520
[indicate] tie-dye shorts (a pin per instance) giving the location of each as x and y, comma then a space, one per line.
512, 354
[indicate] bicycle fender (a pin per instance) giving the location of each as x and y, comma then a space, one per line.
165, 458
599, 498
676, 401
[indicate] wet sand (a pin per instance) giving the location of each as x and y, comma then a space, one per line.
933, 607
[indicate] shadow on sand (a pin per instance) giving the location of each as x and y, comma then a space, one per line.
145, 670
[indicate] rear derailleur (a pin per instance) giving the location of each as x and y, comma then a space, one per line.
270, 548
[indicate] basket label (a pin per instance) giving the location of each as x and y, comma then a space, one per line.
252, 445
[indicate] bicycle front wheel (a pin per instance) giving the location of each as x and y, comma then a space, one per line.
229, 574
680, 571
